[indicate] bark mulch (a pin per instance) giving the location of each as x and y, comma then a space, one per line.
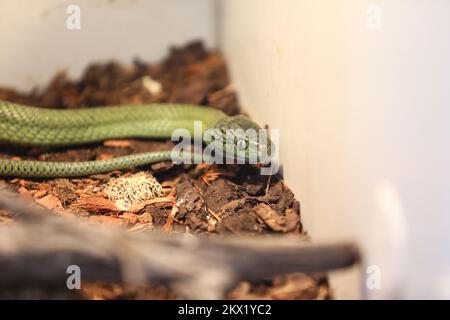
206, 200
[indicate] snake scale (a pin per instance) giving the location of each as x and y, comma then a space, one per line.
33, 126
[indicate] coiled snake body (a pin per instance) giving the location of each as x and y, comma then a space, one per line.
26, 125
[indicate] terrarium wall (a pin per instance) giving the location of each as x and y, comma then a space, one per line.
41, 37
359, 90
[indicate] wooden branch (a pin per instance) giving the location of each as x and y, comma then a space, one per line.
38, 251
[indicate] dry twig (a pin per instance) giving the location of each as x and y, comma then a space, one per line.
38, 251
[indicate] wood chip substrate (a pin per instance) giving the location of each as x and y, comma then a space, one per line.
201, 200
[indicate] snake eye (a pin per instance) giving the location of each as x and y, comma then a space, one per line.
241, 144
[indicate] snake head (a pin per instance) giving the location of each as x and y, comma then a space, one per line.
239, 138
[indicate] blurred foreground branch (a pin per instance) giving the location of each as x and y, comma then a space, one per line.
37, 251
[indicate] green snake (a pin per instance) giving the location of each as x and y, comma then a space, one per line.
33, 126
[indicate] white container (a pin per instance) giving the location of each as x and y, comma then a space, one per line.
359, 90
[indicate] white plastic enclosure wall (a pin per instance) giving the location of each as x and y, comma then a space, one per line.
359, 90
36, 41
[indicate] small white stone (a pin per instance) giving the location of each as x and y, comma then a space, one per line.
153, 86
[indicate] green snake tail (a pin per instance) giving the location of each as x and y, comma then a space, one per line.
39, 169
